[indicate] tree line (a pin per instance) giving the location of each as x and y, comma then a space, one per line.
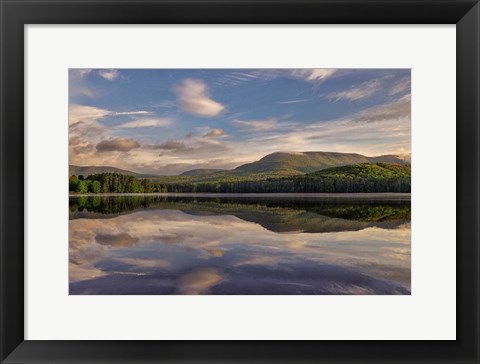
119, 183
112, 183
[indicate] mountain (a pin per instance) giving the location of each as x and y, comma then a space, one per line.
201, 172
307, 162
88, 170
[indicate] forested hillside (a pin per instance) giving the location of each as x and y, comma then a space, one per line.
307, 162
364, 177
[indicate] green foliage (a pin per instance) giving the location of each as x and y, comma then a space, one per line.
364, 177
95, 187
114, 183
82, 187
307, 162
72, 183
366, 170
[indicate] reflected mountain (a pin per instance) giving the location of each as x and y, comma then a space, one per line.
274, 214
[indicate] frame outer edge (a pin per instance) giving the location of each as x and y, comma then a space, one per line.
468, 182
11, 179
467, 106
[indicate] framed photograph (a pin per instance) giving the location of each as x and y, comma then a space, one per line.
240, 181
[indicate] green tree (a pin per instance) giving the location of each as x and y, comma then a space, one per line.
72, 183
82, 187
95, 186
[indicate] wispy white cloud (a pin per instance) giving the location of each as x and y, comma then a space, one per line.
79, 73
146, 123
293, 101
397, 109
109, 75
359, 92
86, 114
257, 125
214, 133
133, 113
194, 98
235, 78
313, 74
402, 85
382, 129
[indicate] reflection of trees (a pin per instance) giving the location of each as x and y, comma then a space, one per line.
273, 214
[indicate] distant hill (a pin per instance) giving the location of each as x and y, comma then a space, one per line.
201, 172
88, 170
307, 162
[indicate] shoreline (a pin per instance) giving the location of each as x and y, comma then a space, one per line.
364, 196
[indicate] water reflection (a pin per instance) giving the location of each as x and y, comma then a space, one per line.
184, 245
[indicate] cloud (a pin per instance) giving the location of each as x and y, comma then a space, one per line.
141, 112
171, 145
293, 101
214, 133
179, 153
400, 86
257, 125
235, 78
194, 98
362, 91
382, 129
80, 147
145, 123
109, 75
313, 74
398, 109
79, 73
85, 114
117, 145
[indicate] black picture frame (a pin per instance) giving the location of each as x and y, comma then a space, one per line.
15, 14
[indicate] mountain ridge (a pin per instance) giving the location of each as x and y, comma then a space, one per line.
285, 163
308, 162
89, 170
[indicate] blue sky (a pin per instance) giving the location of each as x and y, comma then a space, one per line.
167, 121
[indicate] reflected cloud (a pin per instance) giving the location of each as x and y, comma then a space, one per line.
215, 252
173, 238
262, 260
223, 251
116, 240
198, 282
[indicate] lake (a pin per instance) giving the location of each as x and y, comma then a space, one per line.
233, 244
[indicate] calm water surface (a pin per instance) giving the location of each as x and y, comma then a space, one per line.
238, 245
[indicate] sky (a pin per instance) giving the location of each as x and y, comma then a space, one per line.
168, 121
